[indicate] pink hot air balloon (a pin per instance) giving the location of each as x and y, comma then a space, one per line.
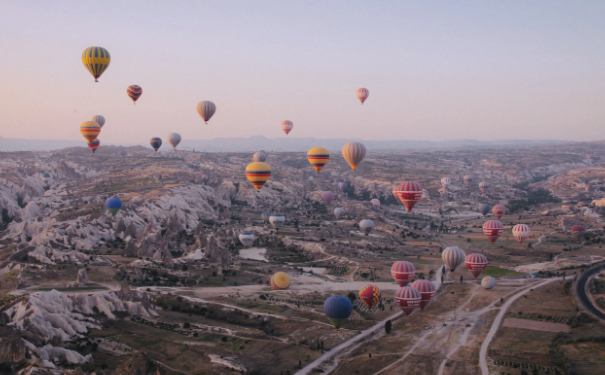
408, 298
286, 126
409, 193
375, 203
403, 272
476, 263
362, 94
493, 229
521, 232
426, 289
498, 211
327, 197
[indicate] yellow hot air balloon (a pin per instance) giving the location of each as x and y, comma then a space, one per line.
318, 157
90, 130
280, 281
96, 60
258, 173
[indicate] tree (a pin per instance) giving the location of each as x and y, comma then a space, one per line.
461, 278
387, 326
351, 296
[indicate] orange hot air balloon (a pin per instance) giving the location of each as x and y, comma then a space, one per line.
353, 152
370, 295
90, 130
318, 157
286, 126
258, 173
362, 94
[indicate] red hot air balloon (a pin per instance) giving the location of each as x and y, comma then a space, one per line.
286, 126
408, 299
521, 232
426, 289
498, 211
362, 94
577, 231
327, 197
409, 193
370, 295
493, 229
476, 263
403, 272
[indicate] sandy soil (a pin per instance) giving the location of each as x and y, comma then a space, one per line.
253, 253
535, 325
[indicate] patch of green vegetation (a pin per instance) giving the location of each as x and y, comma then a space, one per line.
497, 271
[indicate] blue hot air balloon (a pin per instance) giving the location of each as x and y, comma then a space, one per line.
155, 143
342, 186
113, 205
484, 208
338, 309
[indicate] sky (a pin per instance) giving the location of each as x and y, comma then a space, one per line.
436, 70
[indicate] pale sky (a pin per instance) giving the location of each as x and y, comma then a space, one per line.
436, 70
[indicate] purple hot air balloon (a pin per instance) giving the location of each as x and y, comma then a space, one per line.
327, 196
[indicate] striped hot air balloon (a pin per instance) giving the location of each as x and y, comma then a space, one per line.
408, 298
286, 126
403, 272
174, 139
453, 256
521, 232
318, 157
113, 205
483, 186
409, 193
258, 173
375, 203
155, 143
277, 220
206, 110
260, 156
246, 238
577, 231
265, 216
280, 281
134, 92
96, 60
94, 144
446, 182
99, 120
90, 130
362, 94
338, 309
342, 186
366, 226
426, 289
370, 295
338, 212
353, 152
498, 211
467, 180
476, 263
327, 197
493, 229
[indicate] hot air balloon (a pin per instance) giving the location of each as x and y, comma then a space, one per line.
338, 309
409, 193
366, 226
342, 186
484, 208
96, 60
45, 177
99, 120
338, 212
493, 229
265, 216
375, 203
408, 298
488, 282
453, 256
286, 126
370, 295
577, 231
467, 180
206, 110
155, 143
246, 238
521, 232
277, 220
426, 289
94, 144
327, 197
113, 205
90, 130
483, 186
353, 152
476, 263
403, 272
174, 139
498, 211
446, 182
280, 281
258, 173
134, 92
260, 156
318, 157
362, 94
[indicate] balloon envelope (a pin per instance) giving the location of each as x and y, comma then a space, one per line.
484, 208
493, 229
287, 126
354, 152
99, 120
327, 197
96, 60
338, 212
342, 186
408, 298
445, 182
206, 110
467, 180
134, 92
280, 281
246, 238
94, 144
521, 232
174, 139
488, 282
362, 94
476, 263
370, 295
258, 174
403, 272
113, 205
277, 220
409, 193
260, 156
366, 226
498, 211
453, 256
90, 130
426, 289
265, 216
375, 203
338, 309
318, 157
155, 143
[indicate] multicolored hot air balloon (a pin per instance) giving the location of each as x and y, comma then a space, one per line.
467, 180
498, 211
353, 152
280, 281
258, 173
206, 110
403, 272
277, 220
493, 229
134, 92
342, 186
446, 182
90, 130
476, 263
453, 256
174, 139
45, 177
426, 289
484, 208
246, 238
94, 144
286, 126
260, 156
155, 143
96, 60
408, 298
370, 295
483, 186
488, 282
409, 193
318, 157
99, 120
375, 203
338, 309
338, 212
265, 216
577, 231
327, 197
366, 226
521, 232
362, 94
113, 205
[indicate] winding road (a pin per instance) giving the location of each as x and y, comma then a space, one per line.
582, 294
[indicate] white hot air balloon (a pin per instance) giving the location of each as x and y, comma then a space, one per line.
277, 220
488, 282
260, 156
521, 232
338, 212
174, 139
99, 120
366, 226
246, 238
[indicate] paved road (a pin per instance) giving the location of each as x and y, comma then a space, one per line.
582, 295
